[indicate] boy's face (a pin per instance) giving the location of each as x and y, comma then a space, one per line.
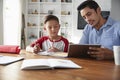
52, 27
91, 16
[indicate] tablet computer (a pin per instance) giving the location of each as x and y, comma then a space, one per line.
80, 50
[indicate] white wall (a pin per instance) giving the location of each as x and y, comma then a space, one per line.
78, 33
1, 22
12, 22
115, 9
23, 6
111, 5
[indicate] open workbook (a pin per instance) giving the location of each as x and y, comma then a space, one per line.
48, 64
4, 60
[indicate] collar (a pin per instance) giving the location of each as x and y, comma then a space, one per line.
108, 23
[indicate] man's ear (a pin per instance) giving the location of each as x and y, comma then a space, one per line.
99, 10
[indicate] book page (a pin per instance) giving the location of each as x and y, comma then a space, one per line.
45, 53
35, 64
59, 54
61, 63
55, 54
9, 59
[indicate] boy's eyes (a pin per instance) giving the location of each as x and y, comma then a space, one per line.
53, 27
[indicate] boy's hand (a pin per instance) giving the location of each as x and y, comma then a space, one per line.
36, 48
53, 49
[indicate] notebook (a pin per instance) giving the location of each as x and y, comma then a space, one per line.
80, 50
4, 60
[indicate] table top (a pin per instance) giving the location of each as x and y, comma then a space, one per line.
92, 70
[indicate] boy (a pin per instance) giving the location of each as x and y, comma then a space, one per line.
53, 42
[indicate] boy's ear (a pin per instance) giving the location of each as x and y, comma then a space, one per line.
44, 27
59, 25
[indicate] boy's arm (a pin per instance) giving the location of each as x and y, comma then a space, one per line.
34, 49
29, 49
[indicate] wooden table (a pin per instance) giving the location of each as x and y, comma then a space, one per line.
92, 70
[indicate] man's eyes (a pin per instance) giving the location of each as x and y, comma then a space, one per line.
88, 14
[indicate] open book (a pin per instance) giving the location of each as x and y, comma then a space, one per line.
9, 59
48, 63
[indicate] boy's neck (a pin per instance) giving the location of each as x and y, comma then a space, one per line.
55, 38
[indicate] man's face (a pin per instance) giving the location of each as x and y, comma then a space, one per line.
91, 16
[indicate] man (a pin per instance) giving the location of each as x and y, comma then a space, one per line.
99, 30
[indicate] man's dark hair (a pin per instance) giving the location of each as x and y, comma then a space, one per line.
50, 17
88, 3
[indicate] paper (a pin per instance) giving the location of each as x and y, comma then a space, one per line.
55, 54
60, 54
46, 53
9, 59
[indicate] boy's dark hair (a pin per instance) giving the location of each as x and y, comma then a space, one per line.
88, 3
50, 17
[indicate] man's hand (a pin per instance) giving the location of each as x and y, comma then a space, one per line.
100, 53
